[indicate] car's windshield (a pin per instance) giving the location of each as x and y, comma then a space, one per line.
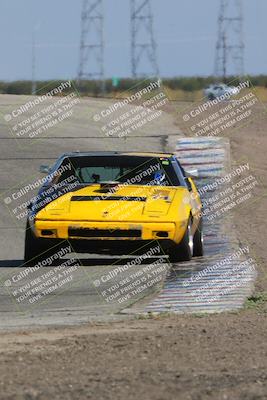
133, 170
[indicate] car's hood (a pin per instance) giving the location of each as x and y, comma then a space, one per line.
123, 203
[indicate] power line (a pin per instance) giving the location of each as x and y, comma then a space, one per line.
33, 63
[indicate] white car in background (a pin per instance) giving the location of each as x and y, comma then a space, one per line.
214, 91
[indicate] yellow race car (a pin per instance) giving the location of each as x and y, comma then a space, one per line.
115, 203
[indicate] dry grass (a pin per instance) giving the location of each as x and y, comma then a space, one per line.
195, 96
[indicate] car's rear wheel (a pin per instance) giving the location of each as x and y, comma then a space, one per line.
184, 250
198, 247
36, 249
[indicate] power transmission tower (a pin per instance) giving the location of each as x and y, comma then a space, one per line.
229, 58
143, 45
92, 42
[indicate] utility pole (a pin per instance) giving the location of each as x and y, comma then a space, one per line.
143, 45
229, 58
33, 63
92, 42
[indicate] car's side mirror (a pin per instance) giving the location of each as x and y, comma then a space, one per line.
44, 169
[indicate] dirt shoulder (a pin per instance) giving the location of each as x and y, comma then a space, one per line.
249, 144
186, 357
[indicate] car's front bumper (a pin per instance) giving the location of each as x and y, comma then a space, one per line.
93, 230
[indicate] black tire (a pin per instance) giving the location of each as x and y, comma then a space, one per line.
198, 247
35, 249
211, 97
184, 250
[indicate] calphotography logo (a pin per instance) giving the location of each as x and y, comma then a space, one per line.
133, 200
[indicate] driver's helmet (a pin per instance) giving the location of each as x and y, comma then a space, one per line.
159, 177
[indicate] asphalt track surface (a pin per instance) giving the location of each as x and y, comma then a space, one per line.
82, 298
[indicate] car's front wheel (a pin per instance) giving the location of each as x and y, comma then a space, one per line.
36, 249
184, 250
211, 97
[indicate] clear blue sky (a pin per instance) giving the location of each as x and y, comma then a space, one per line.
185, 31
